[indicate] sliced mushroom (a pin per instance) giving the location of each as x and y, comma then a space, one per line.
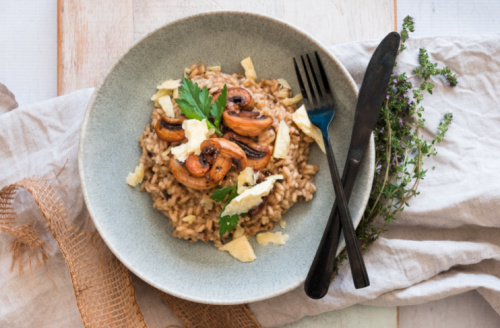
256, 210
170, 129
197, 166
219, 169
244, 125
222, 154
262, 175
182, 175
257, 155
237, 99
247, 114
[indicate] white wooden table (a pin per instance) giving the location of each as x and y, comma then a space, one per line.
45, 52
91, 34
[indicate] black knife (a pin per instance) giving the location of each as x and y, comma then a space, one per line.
370, 100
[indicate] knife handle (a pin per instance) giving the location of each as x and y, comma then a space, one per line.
320, 274
359, 274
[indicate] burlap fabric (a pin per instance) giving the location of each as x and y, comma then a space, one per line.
102, 285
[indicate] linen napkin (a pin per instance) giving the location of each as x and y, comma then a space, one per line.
447, 242
7, 99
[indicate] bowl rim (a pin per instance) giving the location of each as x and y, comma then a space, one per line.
88, 111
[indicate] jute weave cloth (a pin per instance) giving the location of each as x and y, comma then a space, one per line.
102, 285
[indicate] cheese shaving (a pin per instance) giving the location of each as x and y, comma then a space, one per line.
301, 119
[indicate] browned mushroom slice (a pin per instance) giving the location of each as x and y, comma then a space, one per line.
170, 129
197, 166
219, 169
237, 99
182, 175
258, 209
244, 125
222, 154
247, 114
257, 155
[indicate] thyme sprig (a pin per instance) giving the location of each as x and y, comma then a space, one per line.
400, 149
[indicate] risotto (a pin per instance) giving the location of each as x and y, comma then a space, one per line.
182, 190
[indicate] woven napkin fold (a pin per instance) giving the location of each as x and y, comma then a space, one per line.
444, 244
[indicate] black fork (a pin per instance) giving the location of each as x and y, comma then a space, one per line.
321, 100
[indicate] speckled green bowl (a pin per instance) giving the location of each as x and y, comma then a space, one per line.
141, 236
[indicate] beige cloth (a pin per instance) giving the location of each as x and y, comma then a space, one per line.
7, 99
446, 243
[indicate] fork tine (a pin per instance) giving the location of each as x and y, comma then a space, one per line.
318, 87
311, 89
299, 78
322, 72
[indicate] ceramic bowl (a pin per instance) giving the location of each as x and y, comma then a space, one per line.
120, 108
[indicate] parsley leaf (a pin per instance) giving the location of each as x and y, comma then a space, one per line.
227, 222
232, 195
218, 106
196, 103
205, 101
189, 103
220, 194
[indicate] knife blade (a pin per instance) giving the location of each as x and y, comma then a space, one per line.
370, 99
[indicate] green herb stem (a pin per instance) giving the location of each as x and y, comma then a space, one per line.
386, 176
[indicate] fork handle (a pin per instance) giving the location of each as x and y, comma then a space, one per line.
321, 271
358, 268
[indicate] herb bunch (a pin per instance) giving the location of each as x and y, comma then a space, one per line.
400, 150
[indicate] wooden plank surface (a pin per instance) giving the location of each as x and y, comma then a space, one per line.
355, 316
91, 34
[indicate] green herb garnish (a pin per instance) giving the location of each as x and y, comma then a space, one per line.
228, 222
218, 107
400, 150
220, 194
196, 103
